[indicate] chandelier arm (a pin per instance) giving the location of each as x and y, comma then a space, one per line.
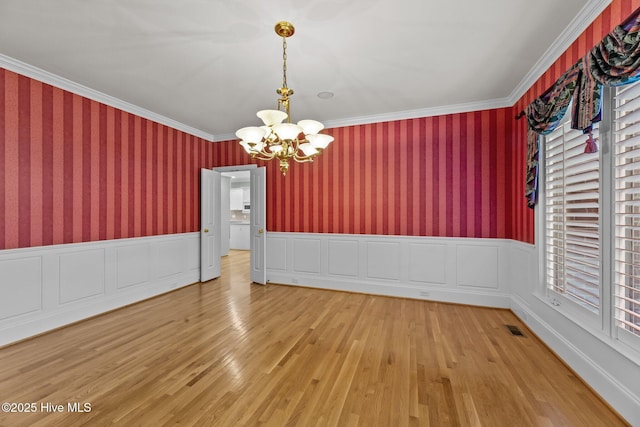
263, 156
303, 159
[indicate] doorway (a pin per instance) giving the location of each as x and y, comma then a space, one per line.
251, 215
236, 221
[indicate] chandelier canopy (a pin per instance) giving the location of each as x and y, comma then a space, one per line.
284, 141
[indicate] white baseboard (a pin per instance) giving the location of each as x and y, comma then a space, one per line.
43, 288
456, 296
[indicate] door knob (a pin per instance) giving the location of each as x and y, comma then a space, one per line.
261, 231
206, 230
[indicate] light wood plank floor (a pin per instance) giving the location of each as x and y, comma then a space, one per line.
230, 353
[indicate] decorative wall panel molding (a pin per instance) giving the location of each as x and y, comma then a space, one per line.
133, 265
383, 260
276, 253
43, 288
20, 287
82, 275
306, 255
437, 268
343, 257
477, 266
428, 263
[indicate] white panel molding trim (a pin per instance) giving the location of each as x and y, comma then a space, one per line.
43, 288
432, 268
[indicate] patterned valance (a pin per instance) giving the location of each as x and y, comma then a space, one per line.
612, 62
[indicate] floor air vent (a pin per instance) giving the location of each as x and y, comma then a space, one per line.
515, 330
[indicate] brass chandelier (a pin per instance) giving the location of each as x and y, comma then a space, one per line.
284, 141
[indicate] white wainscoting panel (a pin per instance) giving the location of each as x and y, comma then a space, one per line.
428, 263
20, 286
477, 266
276, 253
383, 260
43, 288
167, 263
193, 254
306, 255
132, 266
403, 266
343, 257
82, 275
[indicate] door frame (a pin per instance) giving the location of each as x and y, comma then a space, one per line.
251, 214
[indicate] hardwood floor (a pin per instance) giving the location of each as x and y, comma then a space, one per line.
231, 353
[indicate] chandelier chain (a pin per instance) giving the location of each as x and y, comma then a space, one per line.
284, 62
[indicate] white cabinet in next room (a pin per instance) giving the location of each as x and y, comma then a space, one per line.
236, 200
239, 237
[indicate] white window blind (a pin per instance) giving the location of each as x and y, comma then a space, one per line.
572, 216
627, 208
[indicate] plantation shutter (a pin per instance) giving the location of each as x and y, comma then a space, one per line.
572, 211
627, 208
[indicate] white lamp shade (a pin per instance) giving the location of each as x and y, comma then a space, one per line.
308, 149
275, 148
310, 127
272, 117
246, 146
287, 130
267, 131
320, 140
251, 134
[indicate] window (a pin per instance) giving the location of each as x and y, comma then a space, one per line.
627, 208
572, 213
591, 211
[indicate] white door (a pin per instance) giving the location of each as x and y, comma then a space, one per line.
258, 225
209, 225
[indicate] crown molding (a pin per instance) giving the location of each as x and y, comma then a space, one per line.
421, 112
400, 115
36, 73
578, 25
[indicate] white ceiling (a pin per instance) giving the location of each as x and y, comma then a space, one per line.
210, 64
241, 176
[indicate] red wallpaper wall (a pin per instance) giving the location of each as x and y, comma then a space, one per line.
436, 176
74, 170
